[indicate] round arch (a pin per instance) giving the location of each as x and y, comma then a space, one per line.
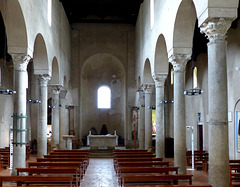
40, 56
55, 72
184, 27
147, 76
103, 69
65, 82
161, 64
15, 27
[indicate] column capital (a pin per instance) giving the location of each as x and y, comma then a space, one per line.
216, 28
20, 61
148, 88
179, 61
63, 93
43, 79
159, 79
56, 88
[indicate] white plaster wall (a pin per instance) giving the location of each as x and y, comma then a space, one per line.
233, 86
6, 103
165, 15
117, 40
56, 36
197, 104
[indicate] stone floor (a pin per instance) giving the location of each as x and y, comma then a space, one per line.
100, 173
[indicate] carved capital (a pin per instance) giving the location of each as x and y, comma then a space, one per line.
179, 61
56, 89
216, 29
20, 61
43, 80
159, 79
148, 88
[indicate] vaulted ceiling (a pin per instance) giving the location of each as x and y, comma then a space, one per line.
102, 11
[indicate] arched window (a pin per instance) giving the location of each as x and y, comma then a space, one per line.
104, 97
195, 81
50, 12
172, 76
152, 13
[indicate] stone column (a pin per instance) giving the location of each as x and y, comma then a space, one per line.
160, 128
20, 62
141, 133
43, 108
55, 117
148, 90
179, 62
216, 30
63, 127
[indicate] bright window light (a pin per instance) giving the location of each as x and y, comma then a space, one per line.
104, 97
195, 81
172, 76
50, 12
152, 13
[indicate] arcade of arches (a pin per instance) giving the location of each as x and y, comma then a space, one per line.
146, 65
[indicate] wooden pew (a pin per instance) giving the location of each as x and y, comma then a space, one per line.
201, 161
155, 178
142, 164
234, 173
65, 156
72, 151
5, 159
116, 160
124, 171
61, 159
129, 150
84, 161
52, 170
234, 161
164, 170
189, 155
82, 168
44, 179
133, 155
132, 152
155, 185
1, 166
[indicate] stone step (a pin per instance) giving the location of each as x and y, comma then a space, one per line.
101, 153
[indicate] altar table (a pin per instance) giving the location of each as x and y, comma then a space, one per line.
102, 141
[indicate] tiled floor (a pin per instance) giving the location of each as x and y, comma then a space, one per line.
100, 173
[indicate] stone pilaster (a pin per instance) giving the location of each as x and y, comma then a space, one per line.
148, 90
55, 116
179, 62
141, 132
160, 129
216, 30
20, 62
43, 108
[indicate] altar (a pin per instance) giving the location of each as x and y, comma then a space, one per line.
102, 141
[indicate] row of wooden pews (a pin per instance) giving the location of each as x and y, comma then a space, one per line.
234, 173
138, 167
64, 167
5, 157
200, 159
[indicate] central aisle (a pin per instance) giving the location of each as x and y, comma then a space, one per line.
100, 173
